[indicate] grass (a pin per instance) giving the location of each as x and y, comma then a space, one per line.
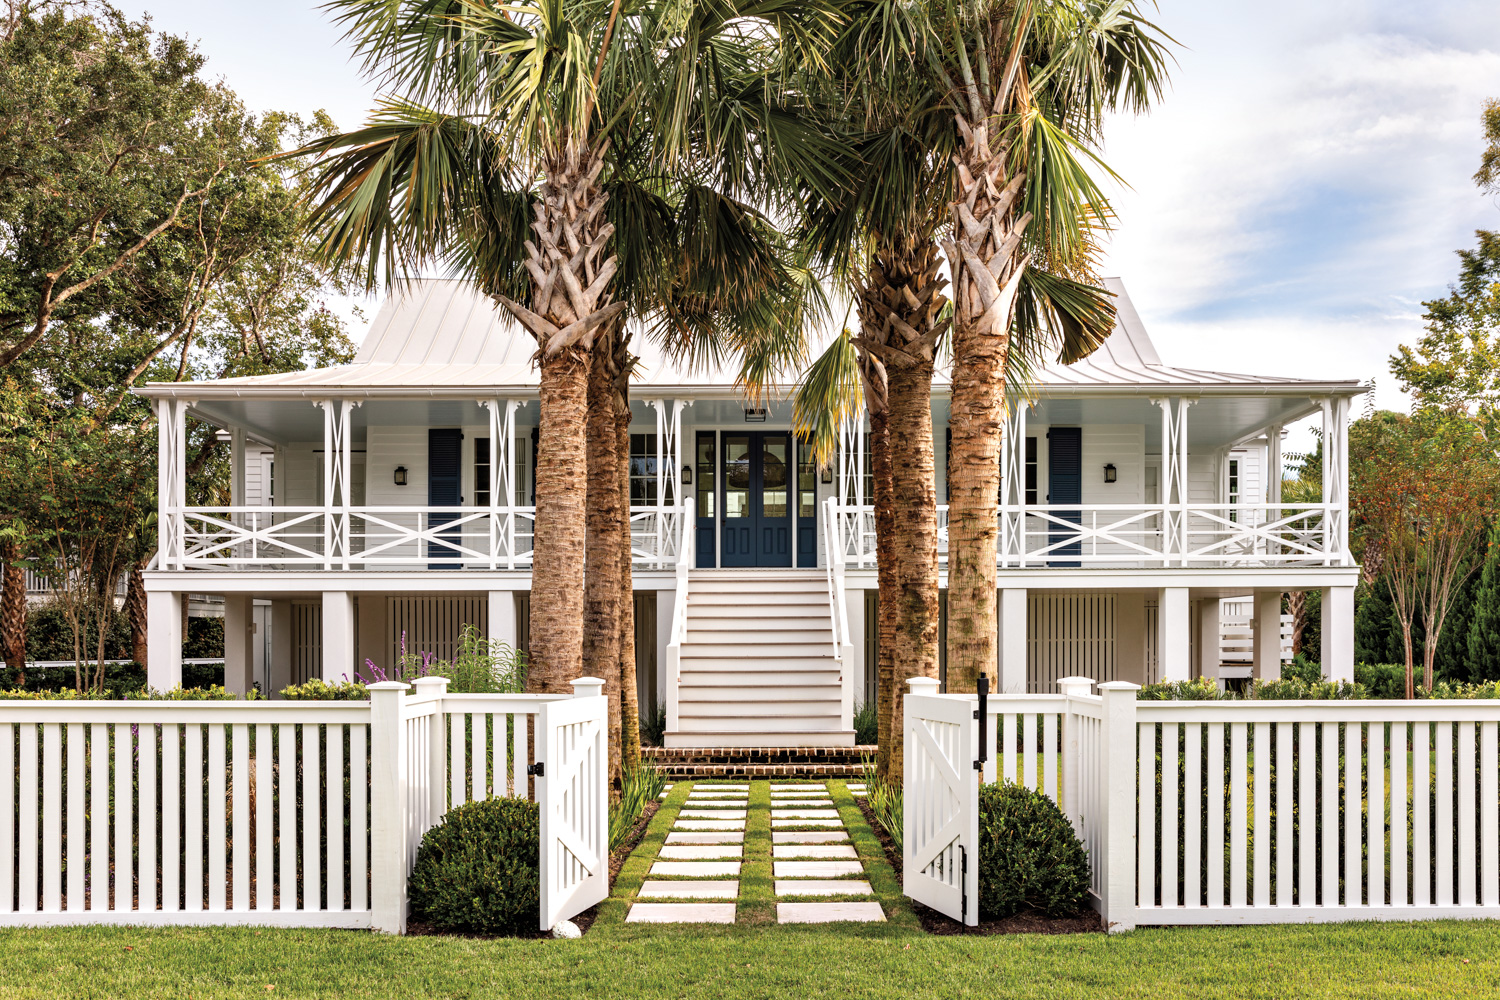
756, 959
1347, 960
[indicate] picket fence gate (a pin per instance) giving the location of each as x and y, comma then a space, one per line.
295, 814
1220, 812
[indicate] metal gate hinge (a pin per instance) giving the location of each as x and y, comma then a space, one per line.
537, 770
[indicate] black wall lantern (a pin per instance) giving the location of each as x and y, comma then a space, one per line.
828, 473
1109, 473
687, 475
400, 475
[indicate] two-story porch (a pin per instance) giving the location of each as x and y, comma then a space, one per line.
393, 498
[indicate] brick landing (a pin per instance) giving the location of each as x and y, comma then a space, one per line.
758, 762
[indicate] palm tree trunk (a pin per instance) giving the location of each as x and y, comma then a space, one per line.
630, 708
899, 308
983, 255
570, 303
13, 612
601, 598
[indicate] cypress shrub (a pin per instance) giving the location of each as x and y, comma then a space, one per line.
1029, 857
1483, 640
479, 870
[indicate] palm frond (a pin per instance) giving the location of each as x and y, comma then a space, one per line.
828, 395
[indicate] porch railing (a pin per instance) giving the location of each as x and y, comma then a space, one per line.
1137, 535
377, 538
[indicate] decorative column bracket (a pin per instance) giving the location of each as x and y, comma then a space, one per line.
171, 497
1012, 541
1335, 480
338, 459
668, 480
1174, 480
503, 479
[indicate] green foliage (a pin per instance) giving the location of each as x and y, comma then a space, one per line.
50, 637
1307, 670
1381, 680
1200, 689
1377, 633
1029, 856
479, 666
866, 725
1482, 644
479, 869
1296, 689
321, 690
642, 785
886, 801
1456, 363
654, 726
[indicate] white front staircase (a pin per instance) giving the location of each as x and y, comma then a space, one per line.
756, 663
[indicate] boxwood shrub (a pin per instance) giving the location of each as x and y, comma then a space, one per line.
479, 869
1029, 857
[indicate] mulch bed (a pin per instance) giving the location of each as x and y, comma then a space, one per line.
934, 922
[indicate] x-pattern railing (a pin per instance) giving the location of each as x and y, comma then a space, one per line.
1137, 535
360, 538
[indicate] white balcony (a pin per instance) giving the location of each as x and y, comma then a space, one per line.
1138, 535
383, 538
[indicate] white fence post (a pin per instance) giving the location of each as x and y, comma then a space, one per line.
1119, 768
1072, 687
388, 807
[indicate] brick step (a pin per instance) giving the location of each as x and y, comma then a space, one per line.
758, 762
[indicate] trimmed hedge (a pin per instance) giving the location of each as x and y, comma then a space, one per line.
479, 870
1029, 857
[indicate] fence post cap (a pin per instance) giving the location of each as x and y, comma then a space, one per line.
1119, 686
923, 685
1069, 684
426, 682
587, 687
388, 686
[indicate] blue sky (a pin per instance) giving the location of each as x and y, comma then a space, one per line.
1293, 200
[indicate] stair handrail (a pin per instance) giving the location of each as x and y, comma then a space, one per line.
843, 646
686, 557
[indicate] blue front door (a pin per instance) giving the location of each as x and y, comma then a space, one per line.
444, 483
756, 472
1065, 486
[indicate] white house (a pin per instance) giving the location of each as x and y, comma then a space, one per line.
392, 497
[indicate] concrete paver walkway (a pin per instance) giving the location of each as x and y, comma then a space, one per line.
815, 868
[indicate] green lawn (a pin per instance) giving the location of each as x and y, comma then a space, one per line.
758, 960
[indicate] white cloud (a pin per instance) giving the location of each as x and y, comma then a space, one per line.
1302, 188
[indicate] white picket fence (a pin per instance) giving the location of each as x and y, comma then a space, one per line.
1222, 812
305, 814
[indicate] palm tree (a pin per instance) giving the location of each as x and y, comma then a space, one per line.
496, 133
881, 233
1027, 85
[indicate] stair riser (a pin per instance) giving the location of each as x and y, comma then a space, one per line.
755, 665
761, 651
759, 639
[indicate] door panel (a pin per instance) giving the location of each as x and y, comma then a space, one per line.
708, 493
807, 507
444, 483
756, 529
1065, 485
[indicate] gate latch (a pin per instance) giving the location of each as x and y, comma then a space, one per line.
982, 714
537, 770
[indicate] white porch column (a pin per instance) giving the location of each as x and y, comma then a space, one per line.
1012, 641
163, 639
503, 479
338, 636
279, 670
1209, 633
1338, 633
171, 493
338, 458
502, 614
236, 467
239, 632
1174, 490
1336, 480
1173, 638
1266, 628
1012, 540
